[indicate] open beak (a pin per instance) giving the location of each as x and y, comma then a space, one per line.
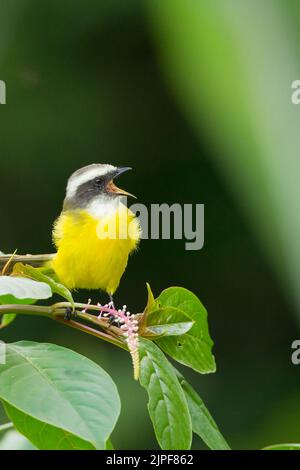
112, 188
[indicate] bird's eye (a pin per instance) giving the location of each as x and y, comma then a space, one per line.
98, 181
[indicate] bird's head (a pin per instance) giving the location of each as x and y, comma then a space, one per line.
94, 183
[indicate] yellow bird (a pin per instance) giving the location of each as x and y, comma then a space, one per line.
94, 235
96, 232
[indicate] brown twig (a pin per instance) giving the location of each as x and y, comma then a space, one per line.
93, 332
57, 311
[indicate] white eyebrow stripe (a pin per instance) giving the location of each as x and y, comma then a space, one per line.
77, 180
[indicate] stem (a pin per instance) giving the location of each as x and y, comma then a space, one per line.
56, 311
77, 305
27, 310
59, 309
93, 332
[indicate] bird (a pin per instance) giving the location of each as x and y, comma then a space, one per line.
94, 234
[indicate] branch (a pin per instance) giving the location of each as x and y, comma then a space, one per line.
57, 312
33, 260
93, 332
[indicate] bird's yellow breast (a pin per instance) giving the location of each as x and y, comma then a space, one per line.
92, 253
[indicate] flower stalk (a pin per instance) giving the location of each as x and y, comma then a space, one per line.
129, 326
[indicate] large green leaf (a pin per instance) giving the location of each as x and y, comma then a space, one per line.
20, 290
283, 447
43, 435
38, 275
109, 445
167, 404
14, 290
194, 348
61, 388
173, 329
168, 321
202, 422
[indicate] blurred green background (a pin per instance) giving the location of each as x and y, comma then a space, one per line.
196, 97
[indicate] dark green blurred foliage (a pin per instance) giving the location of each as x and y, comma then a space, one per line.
85, 84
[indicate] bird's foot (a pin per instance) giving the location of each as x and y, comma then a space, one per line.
113, 321
70, 314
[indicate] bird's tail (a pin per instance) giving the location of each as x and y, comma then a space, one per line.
7, 262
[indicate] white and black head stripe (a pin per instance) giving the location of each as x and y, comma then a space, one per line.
88, 173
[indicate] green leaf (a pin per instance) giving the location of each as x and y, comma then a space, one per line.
6, 319
12, 440
283, 447
174, 329
151, 305
168, 321
167, 404
202, 422
38, 275
109, 445
43, 435
14, 290
194, 348
61, 388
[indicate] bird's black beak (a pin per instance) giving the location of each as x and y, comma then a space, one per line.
112, 188
121, 170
